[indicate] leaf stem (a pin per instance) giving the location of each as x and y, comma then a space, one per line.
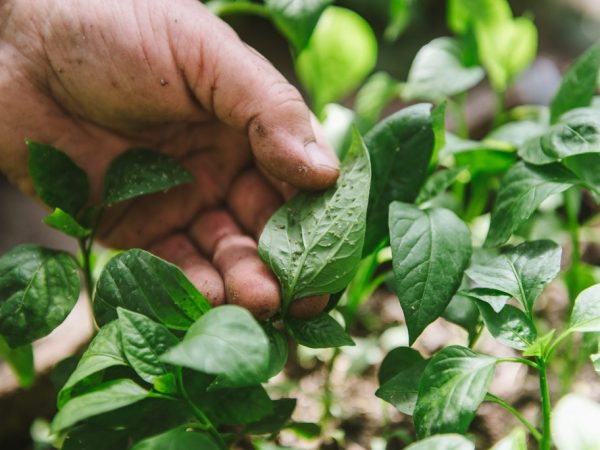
511, 409
227, 9
572, 199
520, 361
204, 421
500, 108
85, 245
546, 442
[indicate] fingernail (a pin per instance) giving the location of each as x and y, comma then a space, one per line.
320, 157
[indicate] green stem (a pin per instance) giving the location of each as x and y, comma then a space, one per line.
227, 9
511, 409
546, 442
500, 108
85, 245
572, 199
458, 106
327, 394
204, 421
474, 337
520, 361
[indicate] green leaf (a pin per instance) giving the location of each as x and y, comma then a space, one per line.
278, 349
586, 312
430, 250
57, 180
108, 396
479, 157
451, 389
462, 312
401, 13
438, 183
517, 440
578, 86
440, 71
297, 19
540, 346
66, 223
517, 133
225, 341
38, 289
90, 437
337, 127
399, 377
373, 97
180, 438
314, 242
140, 282
282, 412
339, 56
521, 271
141, 172
400, 148
585, 168
20, 360
510, 326
143, 342
506, 48
322, 331
104, 351
496, 299
575, 423
523, 189
463, 14
443, 442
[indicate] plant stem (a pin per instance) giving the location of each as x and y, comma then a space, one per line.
572, 199
204, 421
85, 245
474, 337
327, 394
500, 108
511, 409
460, 115
226, 9
520, 361
546, 442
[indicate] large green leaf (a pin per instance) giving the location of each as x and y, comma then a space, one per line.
108, 396
38, 289
430, 250
314, 242
225, 341
521, 271
143, 342
578, 86
399, 377
443, 442
523, 189
440, 71
322, 331
511, 326
400, 147
140, 282
297, 19
141, 172
586, 312
339, 56
451, 389
104, 351
180, 438
575, 423
20, 360
57, 180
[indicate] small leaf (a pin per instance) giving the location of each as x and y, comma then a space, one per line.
540, 346
314, 242
20, 360
143, 342
510, 326
322, 331
38, 289
496, 299
523, 189
339, 56
399, 376
430, 250
578, 86
141, 172
443, 442
462, 311
104, 351
66, 223
437, 184
108, 396
372, 98
278, 349
586, 312
297, 19
180, 438
225, 341
463, 14
575, 423
337, 127
141, 282
282, 412
451, 389
521, 271
57, 180
517, 133
440, 71
400, 12
517, 440
400, 148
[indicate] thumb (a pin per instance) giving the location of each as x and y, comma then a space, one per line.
242, 89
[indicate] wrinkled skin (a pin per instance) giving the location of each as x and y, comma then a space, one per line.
97, 77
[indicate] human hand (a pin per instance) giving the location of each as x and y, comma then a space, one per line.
96, 78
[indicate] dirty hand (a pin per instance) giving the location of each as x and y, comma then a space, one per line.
95, 78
